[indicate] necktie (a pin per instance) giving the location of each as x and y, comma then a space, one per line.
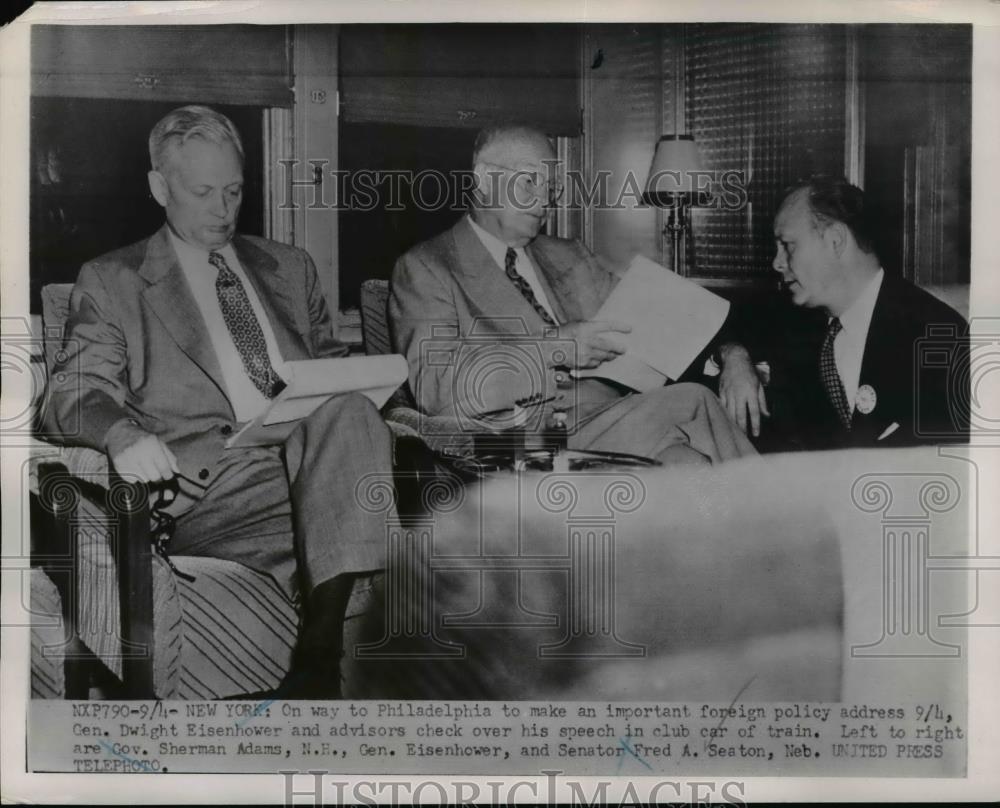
510, 260
831, 378
244, 328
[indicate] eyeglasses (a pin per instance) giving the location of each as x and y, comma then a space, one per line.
164, 526
532, 184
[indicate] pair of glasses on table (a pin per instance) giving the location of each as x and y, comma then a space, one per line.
549, 460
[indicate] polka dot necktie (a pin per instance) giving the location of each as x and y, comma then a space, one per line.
510, 262
244, 328
831, 378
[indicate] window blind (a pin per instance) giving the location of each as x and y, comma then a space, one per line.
461, 75
210, 64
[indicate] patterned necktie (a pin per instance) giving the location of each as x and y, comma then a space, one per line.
244, 328
831, 378
523, 287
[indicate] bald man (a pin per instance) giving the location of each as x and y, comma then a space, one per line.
485, 311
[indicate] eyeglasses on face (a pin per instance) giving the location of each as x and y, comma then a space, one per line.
530, 183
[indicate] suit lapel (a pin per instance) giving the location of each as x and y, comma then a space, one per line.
488, 286
170, 298
552, 279
882, 368
262, 270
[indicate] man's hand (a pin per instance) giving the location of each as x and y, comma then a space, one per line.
740, 389
595, 340
136, 453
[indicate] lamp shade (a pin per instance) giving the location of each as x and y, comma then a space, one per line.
670, 173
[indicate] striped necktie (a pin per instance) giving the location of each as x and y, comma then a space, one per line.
510, 262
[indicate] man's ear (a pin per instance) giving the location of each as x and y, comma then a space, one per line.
158, 187
487, 181
836, 236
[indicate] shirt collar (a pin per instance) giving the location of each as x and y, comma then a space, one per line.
494, 246
193, 256
858, 316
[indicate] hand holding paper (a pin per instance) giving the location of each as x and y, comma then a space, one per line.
596, 341
672, 321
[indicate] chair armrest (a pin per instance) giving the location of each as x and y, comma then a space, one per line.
442, 433
127, 505
80, 462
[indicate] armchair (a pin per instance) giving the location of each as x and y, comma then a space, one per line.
207, 628
135, 628
439, 433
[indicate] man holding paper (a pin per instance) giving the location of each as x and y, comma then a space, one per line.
463, 302
175, 342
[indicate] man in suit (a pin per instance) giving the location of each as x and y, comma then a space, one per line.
492, 311
883, 363
176, 341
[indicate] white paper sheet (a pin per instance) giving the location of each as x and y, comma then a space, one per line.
672, 320
311, 382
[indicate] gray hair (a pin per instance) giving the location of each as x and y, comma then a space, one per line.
178, 126
505, 134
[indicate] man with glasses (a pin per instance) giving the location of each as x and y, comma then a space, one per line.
466, 305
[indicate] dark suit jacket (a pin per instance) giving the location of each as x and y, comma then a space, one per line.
137, 346
916, 360
451, 307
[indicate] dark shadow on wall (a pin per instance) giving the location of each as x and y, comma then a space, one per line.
88, 187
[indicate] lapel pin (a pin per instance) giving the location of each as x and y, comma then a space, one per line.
866, 399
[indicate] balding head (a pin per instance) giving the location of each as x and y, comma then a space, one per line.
515, 169
823, 238
503, 145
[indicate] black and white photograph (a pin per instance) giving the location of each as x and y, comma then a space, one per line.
397, 396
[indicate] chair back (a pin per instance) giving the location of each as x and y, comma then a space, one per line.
375, 333
55, 312
375, 317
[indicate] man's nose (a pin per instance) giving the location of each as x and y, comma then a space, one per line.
220, 206
779, 264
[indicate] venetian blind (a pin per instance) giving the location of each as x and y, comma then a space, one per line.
209, 64
768, 101
461, 75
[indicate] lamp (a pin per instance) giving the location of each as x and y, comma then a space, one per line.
671, 183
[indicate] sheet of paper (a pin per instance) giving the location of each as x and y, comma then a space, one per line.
311, 382
672, 319
630, 371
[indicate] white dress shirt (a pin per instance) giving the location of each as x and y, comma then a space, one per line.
498, 250
849, 344
246, 400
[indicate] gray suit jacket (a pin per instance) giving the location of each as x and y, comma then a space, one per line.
137, 347
471, 339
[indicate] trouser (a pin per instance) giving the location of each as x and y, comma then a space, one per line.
292, 511
680, 423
